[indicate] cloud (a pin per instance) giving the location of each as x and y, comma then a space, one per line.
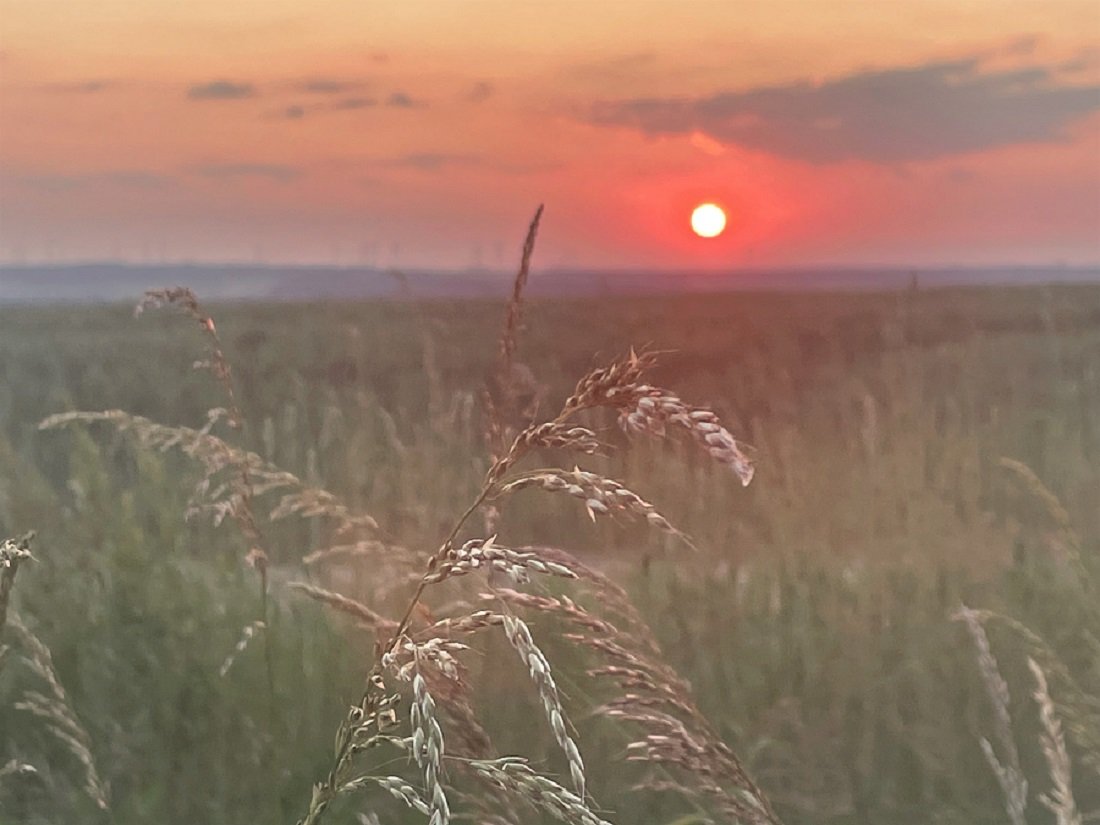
439, 161
298, 111
480, 92
402, 100
1023, 46
430, 161
620, 68
884, 116
349, 103
82, 87
221, 90
229, 171
126, 178
328, 86
138, 179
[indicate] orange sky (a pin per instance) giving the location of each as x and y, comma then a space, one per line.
424, 134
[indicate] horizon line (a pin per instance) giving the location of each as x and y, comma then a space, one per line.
559, 268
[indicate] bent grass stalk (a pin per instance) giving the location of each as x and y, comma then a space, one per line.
643, 410
439, 698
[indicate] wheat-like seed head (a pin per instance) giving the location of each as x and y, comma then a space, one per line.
12, 553
564, 607
428, 750
539, 668
515, 776
651, 409
395, 786
601, 496
484, 554
1060, 801
249, 632
55, 709
367, 617
1010, 775
609, 386
552, 434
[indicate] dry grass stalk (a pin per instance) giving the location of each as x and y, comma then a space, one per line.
15, 768
563, 607
1066, 537
551, 435
217, 457
611, 596
519, 635
675, 735
1060, 801
12, 553
510, 335
364, 549
610, 386
247, 635
311, 502
619, 387
1079, 708
1009, 774
652, 408
54, 708
466, 737
428, 750
484, 554
470, 623
500, 396
601, 496
395, 786
516, 777
644, 409
440, 653
218, 365
357, 610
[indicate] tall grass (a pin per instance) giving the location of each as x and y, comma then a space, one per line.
812, 623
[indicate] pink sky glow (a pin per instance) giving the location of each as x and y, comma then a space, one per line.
423, 134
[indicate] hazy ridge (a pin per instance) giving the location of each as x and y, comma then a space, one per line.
105, 282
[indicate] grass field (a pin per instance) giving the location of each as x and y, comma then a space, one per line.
813, 621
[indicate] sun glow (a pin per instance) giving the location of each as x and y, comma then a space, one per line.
708, 220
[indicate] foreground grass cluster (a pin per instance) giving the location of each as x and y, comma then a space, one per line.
895, 622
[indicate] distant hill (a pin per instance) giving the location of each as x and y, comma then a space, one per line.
94, 283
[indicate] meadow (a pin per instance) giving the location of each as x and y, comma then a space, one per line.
916, 452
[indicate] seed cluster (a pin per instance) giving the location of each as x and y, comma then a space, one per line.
539, 668
516, 777
427, 742
652, 408
553, 435
482, 553
601, 496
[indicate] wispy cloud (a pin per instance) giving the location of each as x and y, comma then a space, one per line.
481, 91
402, 100
123, 178
430, 161
328, 86
221, 90
618, 68
349, 103
232, 171
886, 116
298, 111
82, 87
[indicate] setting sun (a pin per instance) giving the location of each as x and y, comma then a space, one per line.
708, 220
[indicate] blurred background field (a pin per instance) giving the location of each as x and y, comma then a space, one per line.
814, 621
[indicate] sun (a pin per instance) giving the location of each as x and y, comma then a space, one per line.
708, 220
